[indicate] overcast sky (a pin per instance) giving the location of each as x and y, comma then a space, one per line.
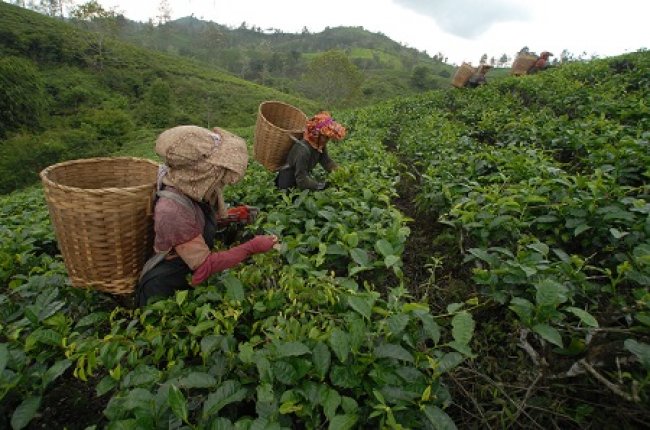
463, 30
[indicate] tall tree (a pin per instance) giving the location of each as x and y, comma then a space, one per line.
104, 22
164, 12
333, 79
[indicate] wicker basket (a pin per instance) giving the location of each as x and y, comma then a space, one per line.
522, 63
276, 123
101, 209
462, 75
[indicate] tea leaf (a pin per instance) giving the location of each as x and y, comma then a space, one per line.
549, 333
322, 358
462, 327
584, 316
397, 352
439, 418
291, 349
25, 412
343, 422
340, 343
641, 350
176, 400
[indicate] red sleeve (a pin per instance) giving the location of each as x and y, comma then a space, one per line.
220, 261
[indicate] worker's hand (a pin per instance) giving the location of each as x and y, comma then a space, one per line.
261, 243
321, 186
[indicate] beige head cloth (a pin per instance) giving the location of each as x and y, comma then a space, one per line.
201, 162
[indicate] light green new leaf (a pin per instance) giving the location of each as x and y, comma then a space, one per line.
181, 296
549, 334
462, 327
25, 412
641, 350
584, 316
176, 400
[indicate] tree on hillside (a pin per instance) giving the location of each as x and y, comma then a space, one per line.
333, 79
422, 78
503, 60
102, 22
164, 12
158, 107
483, 59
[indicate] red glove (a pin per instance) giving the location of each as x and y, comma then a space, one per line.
220, 261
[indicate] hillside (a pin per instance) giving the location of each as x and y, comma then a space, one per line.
481, 259
281, 60
69, 93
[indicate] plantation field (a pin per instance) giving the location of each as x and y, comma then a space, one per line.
480, 260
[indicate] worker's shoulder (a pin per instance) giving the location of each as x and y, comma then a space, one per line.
171, 203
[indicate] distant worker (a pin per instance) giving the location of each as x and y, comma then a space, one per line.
309, 151
542, 63
478, 78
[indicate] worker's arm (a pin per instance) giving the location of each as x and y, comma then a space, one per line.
327, 163
220, 261
301, 170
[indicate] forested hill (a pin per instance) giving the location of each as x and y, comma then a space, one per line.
69, 93
286, 61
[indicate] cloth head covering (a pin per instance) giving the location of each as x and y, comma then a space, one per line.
545, 54
200, 162
322, 124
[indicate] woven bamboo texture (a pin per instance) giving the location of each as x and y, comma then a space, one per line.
276, 123
462, 75
101, 210
522, 63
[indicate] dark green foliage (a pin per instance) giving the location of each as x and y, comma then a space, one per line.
278, 59
84, 93
158, 106
22, 95
332, 79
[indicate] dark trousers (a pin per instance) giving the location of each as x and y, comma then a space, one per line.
163, 281
168, 276
285, 179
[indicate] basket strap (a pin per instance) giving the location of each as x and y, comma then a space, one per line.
158, 257
178, 198
153, 261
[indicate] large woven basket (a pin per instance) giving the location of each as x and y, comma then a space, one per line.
462, 75
522, 63
276, 123
101, 209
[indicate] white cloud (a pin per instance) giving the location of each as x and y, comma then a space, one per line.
467, 18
